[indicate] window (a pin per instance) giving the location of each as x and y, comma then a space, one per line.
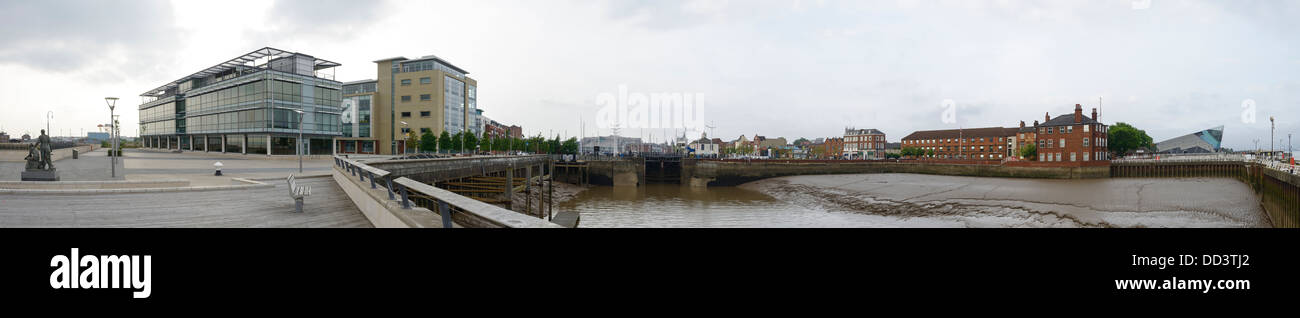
406, 114
1085, 155
1085, 129
406, 82
426, 80
1049, 130
1085, 142
1072, 156
424, 130
1058, 157
426, 114
1062, 142
1071, 128
426, 97
406, 130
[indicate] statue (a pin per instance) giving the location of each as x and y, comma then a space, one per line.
33, 158
44, 142
40, 162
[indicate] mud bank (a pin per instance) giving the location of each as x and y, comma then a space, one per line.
1003, 202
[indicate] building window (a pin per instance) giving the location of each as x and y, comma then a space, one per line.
426, 97
406, 98
406, 82
425, 131
1062, 142
1072, 156
1085, 141
406, 130
426, 80
1085, 155
1049, 130
426, 114
406, 114
1085, 129
1071, 130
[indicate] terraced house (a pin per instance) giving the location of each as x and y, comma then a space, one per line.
252, 104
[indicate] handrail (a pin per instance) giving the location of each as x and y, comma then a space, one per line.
399, 189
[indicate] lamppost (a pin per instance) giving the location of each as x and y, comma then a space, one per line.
1272, 129
112, 103
299, 111
48, 115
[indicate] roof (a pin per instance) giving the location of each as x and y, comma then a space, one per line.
268, 53
1027, 129
962, 133
864, 131
360, 82
404, 60
1067, 120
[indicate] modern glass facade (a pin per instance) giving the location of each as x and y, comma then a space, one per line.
453, 105
244, 100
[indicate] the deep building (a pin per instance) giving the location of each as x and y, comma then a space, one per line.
1205, 141
247, 105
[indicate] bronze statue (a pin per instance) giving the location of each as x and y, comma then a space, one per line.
44, 142
33, 158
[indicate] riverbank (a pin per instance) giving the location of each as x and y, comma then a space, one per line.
1006, 202
563, 193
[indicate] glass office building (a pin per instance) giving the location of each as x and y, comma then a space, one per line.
1205, 141
248, 105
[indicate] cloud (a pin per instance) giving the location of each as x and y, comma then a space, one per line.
339, 19
64, 36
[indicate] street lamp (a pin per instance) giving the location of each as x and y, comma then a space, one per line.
299, 111
112, 103
1272, 129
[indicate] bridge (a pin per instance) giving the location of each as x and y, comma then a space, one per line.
450, 192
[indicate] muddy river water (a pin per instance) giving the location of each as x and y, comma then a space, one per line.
909, 200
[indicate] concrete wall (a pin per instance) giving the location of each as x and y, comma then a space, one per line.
617, 172
715, 173
381, 212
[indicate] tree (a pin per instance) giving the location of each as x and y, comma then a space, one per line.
1123, 137
1029, 152
445, 142
485, 143
570, 146
470, 141
412, 140
428, 142
929, 152
801, 142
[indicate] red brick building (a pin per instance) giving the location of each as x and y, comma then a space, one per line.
1072, 138
963, 144
834, 148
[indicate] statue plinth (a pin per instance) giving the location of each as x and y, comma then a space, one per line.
41, 175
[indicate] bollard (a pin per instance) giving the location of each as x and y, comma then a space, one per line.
218, 165
406, 201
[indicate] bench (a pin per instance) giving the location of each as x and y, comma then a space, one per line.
297, 192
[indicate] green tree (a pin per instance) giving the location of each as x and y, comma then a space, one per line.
485, 143
428, 142
444, 142
470, 141
412, 140
800, 142
929, 153
570, 146
1123, 137
1029, 152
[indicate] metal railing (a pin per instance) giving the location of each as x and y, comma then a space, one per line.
445, 202
1245, 159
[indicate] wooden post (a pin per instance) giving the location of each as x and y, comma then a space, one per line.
510, 186
528, 190
550, 193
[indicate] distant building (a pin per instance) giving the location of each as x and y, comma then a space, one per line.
834, 148
864, 144
1024, 136
96, 136
610, 144
1205, 141
4, 137
962, 144
1072, 138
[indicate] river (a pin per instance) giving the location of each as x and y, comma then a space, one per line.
909, 200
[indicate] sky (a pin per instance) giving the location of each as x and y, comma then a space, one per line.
786, 68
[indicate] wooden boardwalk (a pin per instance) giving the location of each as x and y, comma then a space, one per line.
327, 207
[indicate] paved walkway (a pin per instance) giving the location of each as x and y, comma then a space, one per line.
327, 207
152, 165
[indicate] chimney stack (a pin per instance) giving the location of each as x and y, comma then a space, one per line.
1022, 124
1035, 123
1046, 117
1078, 113
1094, 115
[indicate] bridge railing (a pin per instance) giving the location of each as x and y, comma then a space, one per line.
450, 206
1269, 164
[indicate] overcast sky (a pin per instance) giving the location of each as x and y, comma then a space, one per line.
776, 68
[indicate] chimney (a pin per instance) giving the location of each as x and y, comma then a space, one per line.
1022, 124
1046, 117
1094, 115
1078, 113
1035, 123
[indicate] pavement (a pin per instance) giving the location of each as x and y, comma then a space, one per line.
153, 165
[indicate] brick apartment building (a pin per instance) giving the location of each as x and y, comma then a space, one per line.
963, 144
864, 144
834, 148
1072, 138
1025, 135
